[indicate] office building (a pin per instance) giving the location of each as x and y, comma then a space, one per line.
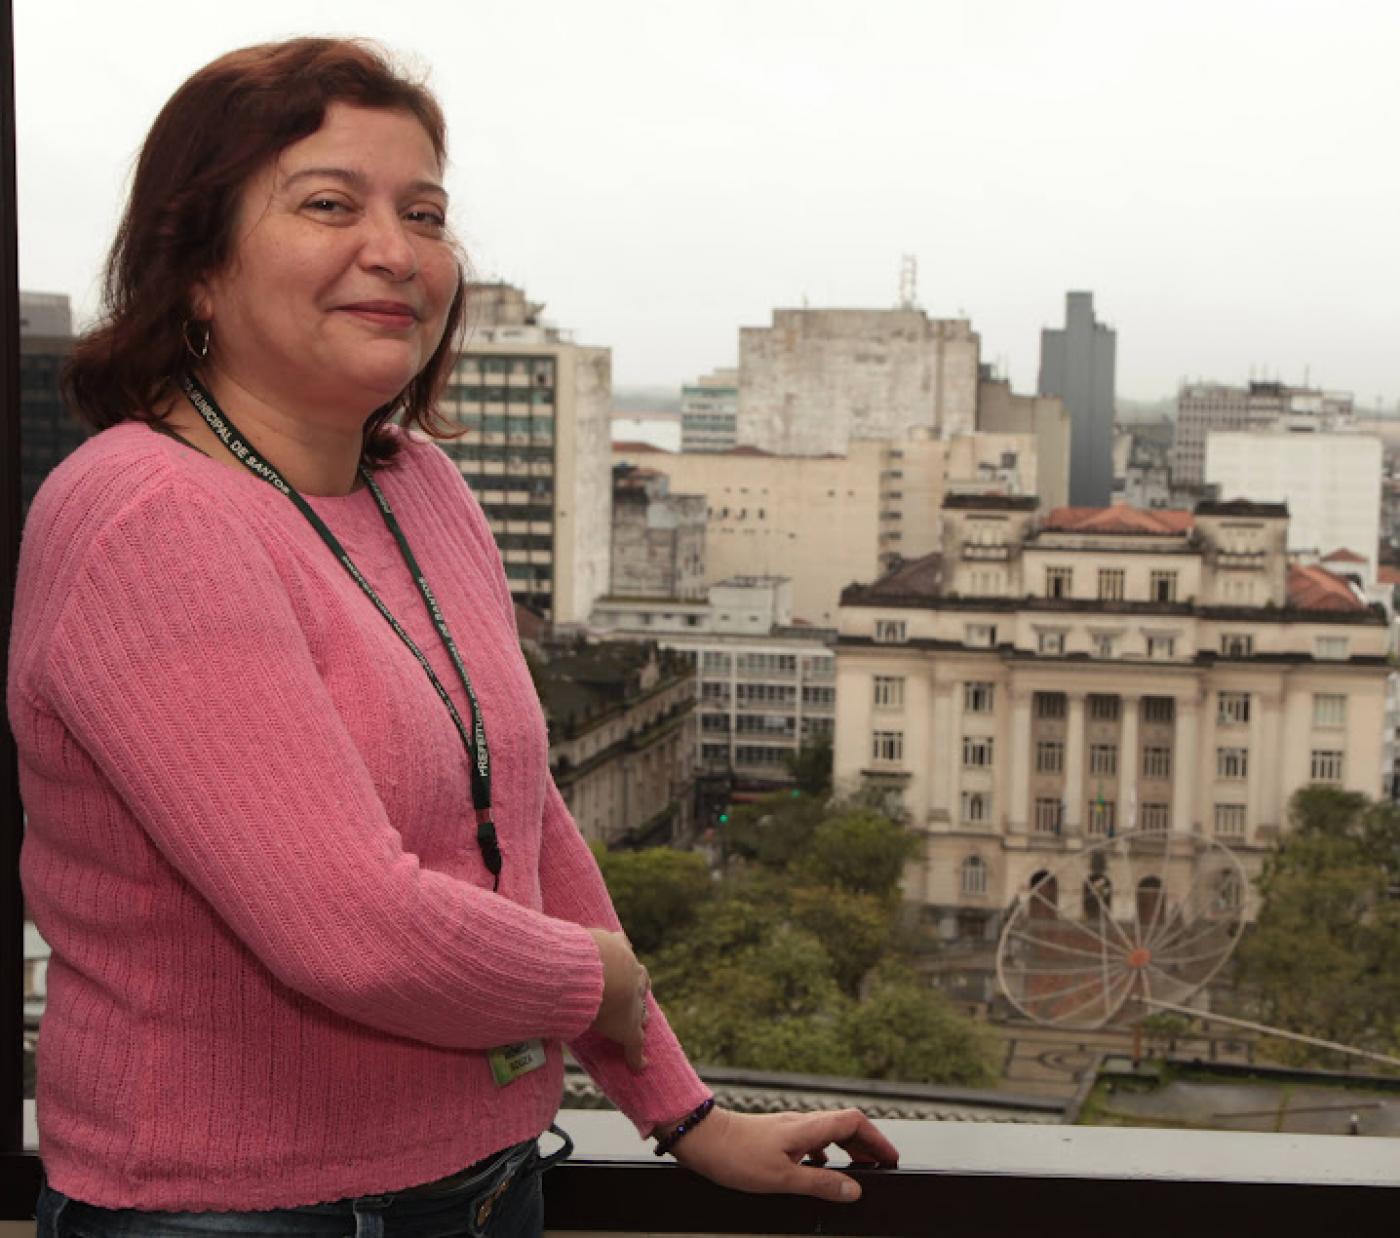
766, 684
536, 408
1077, 364
1202, 408
710, 412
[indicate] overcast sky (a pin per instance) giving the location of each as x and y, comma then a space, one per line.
1222, 175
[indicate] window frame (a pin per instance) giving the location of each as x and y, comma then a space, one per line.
1231, 763
1327, 765
1157, 763
891, 631
976, 888
1112, 584
1048, 816
1059, 582
892, 741
887, 692
1229, 820
1103, 760
1232, 708
1338, 699
979, 697
972, 746
968, 799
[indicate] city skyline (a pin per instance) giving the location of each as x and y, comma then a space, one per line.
662, 176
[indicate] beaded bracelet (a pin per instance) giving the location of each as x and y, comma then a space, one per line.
685, 1126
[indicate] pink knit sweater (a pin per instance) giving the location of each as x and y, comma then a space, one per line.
277, 960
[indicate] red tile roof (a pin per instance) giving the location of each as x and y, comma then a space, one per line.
1119, 518
1344, 556
633, 447
1315, 588
1388, 575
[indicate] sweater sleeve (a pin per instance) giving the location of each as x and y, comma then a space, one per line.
574, 890
179, 666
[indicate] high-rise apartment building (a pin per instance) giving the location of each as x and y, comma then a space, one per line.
1204, 407
819, 378
536, 408
1041, 684
1077, 363
710, 411
48, 430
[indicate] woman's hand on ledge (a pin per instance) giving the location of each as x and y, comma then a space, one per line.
764, 1152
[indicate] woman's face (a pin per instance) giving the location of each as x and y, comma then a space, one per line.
342, 274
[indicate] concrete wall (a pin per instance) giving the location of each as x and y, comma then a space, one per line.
1001, 411
583, 481
1331, 483
658, 545
816, 379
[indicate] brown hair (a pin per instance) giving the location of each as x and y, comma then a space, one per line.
219, 128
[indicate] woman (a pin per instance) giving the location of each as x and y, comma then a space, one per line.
320, 920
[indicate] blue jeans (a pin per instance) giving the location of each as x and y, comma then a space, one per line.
503, 1200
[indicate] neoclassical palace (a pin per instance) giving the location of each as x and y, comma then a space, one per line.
1044, 682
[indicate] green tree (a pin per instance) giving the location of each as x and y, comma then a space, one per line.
658, 892
790, 962
856, 930
906, 1030
858, 850
810, 766
1321, 958
776, 831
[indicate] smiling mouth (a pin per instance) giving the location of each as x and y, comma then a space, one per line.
383, 313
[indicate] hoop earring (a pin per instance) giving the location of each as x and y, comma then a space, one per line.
198, 347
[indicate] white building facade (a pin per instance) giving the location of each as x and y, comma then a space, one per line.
1330, 481
1041, 685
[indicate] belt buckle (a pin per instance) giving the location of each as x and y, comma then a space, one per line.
483, 1209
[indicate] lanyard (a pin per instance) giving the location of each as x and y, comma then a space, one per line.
474, 742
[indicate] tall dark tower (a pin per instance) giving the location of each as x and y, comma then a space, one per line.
1077, 364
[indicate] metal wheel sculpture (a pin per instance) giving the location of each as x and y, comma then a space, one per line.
1146, 914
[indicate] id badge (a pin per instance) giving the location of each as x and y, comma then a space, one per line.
509, 1062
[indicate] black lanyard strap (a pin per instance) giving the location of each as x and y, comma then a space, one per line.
473, 741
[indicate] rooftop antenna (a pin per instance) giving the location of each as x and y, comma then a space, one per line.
908, 282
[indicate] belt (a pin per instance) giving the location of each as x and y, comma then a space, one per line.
455, 1181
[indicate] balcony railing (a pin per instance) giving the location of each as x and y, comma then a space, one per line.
984, 1178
